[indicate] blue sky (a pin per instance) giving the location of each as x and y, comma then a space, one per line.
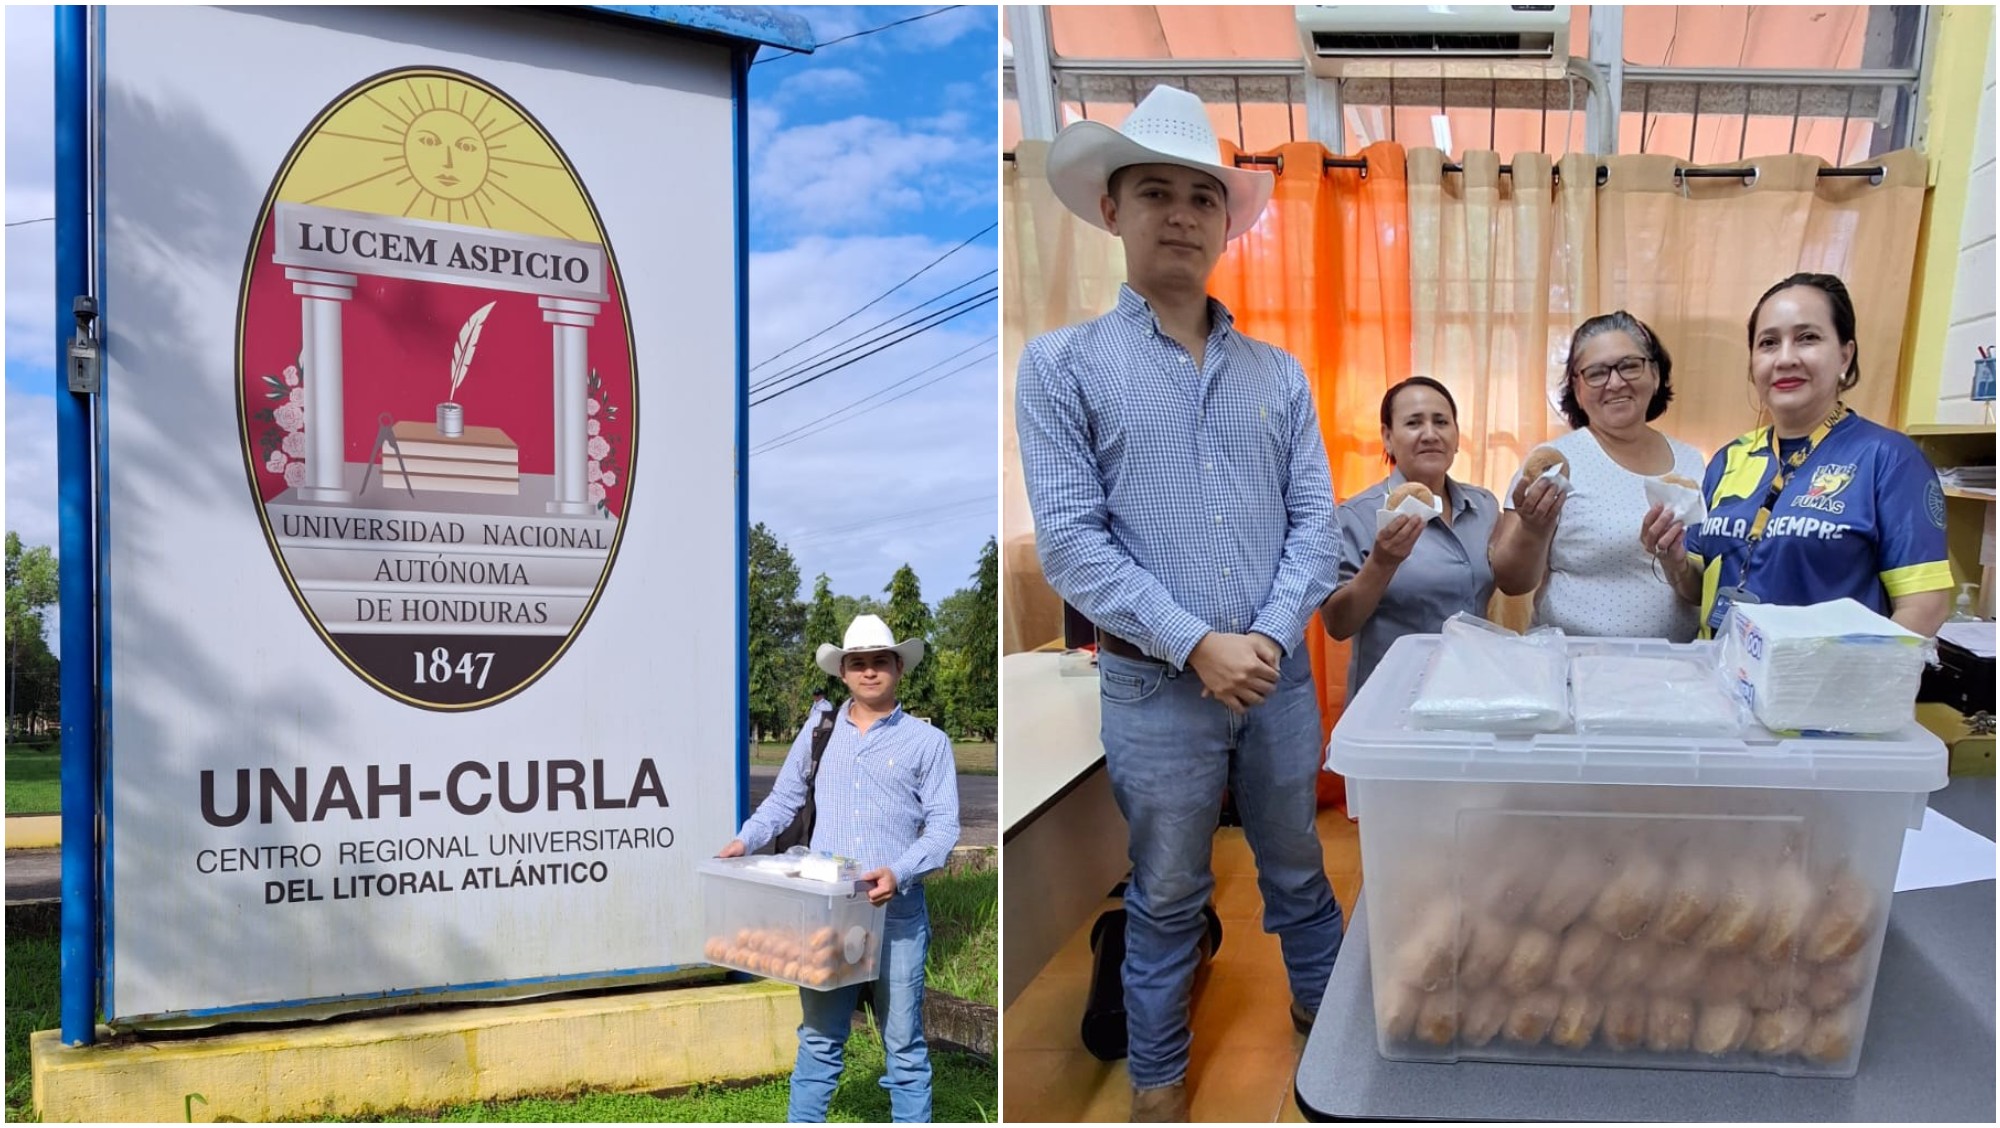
869, 159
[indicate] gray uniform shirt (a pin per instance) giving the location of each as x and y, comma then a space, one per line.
1446, 572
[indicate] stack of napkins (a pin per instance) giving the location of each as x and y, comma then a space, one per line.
1486, 678
1624, 695
1829, 667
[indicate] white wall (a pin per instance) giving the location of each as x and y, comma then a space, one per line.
1972, 324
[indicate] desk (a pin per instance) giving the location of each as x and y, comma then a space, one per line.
1928, 1054
1061, 834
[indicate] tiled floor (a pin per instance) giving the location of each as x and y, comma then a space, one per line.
1244, 1047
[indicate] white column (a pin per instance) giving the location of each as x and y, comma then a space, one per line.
569, 320
326, 432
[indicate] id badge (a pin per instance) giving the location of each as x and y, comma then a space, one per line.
1724, 599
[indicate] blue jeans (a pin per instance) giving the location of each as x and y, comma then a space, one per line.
899, 1006
1170, 752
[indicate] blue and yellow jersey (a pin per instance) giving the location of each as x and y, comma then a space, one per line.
1863, 519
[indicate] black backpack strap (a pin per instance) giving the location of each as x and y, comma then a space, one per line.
822, 733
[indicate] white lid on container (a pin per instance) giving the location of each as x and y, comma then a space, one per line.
771, 869
1375, 740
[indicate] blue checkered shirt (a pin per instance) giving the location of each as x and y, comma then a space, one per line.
887, 797
1167, 503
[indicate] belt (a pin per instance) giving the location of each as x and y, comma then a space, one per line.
1111, 643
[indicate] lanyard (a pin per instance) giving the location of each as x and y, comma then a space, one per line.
1785, 472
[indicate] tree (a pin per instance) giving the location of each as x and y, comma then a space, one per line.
776, 620
909, 617
823, 625
968, 622
33, 688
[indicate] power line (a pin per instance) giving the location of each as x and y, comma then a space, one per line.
864, 399
929, 323
833, 350
864, 31
52, 219
912, 278
892, 399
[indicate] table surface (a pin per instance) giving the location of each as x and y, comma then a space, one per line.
1928, 1054
1048, 734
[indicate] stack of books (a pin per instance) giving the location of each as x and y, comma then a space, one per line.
483, 460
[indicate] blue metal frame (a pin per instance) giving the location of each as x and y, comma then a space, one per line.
77, 602
771, 26
75, 84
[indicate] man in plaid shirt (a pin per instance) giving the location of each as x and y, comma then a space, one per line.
1182, 501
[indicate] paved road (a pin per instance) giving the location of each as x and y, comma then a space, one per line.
36, 874
978, 804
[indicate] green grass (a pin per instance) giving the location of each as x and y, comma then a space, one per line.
34, 779
34, 977
963, 1088
965, 935
973, 758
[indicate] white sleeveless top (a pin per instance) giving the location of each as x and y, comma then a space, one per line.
1601, 581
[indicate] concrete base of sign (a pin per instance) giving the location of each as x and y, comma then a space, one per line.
630, 1042
33, 832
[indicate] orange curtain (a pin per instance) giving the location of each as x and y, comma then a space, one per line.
1325, 275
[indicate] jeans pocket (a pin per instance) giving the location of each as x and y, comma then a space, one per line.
1128, 683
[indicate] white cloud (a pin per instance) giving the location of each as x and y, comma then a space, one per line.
861, 172
821, 85
31, 465
830, 23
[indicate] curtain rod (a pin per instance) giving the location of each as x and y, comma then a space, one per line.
1874, 173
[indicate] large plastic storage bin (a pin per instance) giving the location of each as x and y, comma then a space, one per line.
817, 934
1696, 903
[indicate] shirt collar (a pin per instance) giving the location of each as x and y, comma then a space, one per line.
1461, 498
895, 714
1131, 305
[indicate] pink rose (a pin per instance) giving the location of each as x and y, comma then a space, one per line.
610, 479
294, 444
596, 493
597, 447
276, 463
298, 396
594, 472
592, 426
290, 416
591, 406
291, 375
295, 475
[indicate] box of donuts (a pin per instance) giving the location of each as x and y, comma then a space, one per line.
781, 918
1712, 901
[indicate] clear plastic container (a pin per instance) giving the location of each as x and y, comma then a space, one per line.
1685, 902
816, 934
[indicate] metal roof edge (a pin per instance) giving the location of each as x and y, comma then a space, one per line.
768, 26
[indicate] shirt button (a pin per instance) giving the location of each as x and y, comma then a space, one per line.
1218, 518
1225, 571
1208, 466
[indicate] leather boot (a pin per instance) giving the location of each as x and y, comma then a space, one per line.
1167, 1104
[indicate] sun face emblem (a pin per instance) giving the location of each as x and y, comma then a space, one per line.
446, 154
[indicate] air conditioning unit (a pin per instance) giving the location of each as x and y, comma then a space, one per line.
1334, 35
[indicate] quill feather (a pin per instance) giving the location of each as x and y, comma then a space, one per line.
468, 340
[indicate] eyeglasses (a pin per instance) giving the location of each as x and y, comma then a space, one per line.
1629, 370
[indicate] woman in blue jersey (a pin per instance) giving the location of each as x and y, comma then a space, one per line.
1822, 504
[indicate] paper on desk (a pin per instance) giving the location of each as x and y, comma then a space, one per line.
1976, 637
1943, 853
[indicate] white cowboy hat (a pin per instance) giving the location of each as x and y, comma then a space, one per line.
865, 633
1168, 127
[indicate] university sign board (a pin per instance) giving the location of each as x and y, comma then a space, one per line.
422, 496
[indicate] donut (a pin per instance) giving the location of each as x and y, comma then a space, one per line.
1722, 1028
1487, 946
823, 938
1585, 950
1624, 1023
1831, 1037
1679, 971
1437, 1018
1730, 978
1539, 461
1844, 920
714, 950
1529, 965
791, 970
818, 976
1777, 987
1632, 895
1669, 1024
1776, 1033
1739, 910
1677, 480
1631, 964
1416, 490
1532, 1014
1508, 887
1396, 1011
1576, 1023
743, 936
1689, 898
1483, 1018
1426, 957
1792, 899
1833, 984
1573, 884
